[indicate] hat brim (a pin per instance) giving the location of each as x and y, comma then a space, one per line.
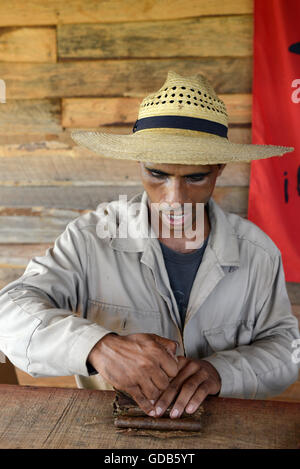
175, 149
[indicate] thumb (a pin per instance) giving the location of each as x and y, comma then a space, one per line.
168, 344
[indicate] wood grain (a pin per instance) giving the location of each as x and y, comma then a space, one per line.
36, 417
192, 37
30, 116
7, 371
67, 197
55, 159
97, 112
239, 107
9, 274
291, 394
132, 77
24, 379
27, 44
44, 226
43, 12
70, 197
17, 256
34, 136
48, 148
50, 164
33, 141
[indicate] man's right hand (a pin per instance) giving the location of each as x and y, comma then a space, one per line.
140, 364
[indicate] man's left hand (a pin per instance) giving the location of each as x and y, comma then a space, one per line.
193, 382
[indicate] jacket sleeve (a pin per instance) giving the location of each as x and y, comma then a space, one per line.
266, 367
39, 330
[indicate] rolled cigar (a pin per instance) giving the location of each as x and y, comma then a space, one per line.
161, 423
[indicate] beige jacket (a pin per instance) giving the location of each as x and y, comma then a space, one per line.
238, 318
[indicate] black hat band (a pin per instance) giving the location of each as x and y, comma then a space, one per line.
181, 122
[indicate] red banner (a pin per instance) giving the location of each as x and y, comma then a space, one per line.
274, 195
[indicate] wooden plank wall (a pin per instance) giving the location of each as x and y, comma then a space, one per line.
82, 64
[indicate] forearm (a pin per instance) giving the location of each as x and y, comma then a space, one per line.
257, 371
43, 340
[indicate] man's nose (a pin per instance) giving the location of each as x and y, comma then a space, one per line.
176, 191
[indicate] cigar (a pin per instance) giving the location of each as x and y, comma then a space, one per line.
187, 424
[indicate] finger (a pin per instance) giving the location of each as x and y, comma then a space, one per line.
167, 362
141, 400
160, 380
200, 394
166, 398
163, 383
187, 391
149, 389
182, 362
187, 369
168, 344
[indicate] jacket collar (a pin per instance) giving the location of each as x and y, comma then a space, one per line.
222, 240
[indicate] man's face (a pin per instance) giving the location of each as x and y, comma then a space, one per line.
179, 183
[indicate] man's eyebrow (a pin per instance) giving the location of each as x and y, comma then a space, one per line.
158, 171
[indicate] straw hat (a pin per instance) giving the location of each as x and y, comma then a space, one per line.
184, 122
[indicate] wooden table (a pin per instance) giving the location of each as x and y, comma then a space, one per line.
39, 417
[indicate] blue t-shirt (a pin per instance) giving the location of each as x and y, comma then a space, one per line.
182, 269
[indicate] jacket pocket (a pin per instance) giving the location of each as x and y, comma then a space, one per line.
228, 336
123, 320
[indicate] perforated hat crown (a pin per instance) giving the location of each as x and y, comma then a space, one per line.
185, 103
184, 122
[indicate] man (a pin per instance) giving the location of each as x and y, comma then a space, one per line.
166, 317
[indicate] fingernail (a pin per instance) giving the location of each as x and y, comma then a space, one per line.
190, 408
174, 413
152, 413
158, 410
152, 402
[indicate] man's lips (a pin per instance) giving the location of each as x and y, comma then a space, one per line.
176, 218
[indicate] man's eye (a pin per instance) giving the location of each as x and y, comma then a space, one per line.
157, 175
190, 178
196, 178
